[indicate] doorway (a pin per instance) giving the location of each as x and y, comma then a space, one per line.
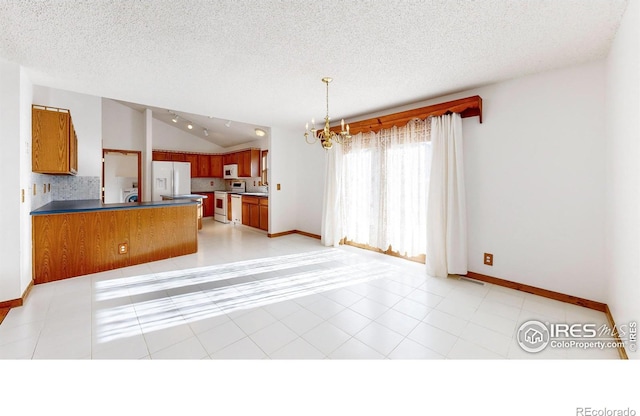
121, 176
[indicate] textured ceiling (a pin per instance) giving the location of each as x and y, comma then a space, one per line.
261, 61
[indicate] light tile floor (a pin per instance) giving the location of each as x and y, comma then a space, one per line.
246, 296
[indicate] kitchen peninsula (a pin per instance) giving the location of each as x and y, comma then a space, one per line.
74, 238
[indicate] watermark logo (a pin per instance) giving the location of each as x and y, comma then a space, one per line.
533, 336
590, 411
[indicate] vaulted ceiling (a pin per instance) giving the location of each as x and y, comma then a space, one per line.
261, 61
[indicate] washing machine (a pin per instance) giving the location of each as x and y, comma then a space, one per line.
130, 195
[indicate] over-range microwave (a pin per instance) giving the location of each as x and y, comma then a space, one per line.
230, 171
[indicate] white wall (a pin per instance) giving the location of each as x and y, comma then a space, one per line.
284, 168
167, 137
122, 126
86, 113
535, 180
310, 183
10, 182
262, 143
26, 259
623, 174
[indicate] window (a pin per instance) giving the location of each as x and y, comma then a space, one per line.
264, 166
386, 182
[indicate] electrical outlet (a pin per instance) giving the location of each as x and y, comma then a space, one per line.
488, 259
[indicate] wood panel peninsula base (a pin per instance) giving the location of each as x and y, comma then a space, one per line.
74, 238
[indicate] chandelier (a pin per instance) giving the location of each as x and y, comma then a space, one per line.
326, 136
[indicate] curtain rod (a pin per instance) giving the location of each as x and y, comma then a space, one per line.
467, 107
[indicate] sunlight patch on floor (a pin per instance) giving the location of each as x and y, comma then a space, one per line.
211, 291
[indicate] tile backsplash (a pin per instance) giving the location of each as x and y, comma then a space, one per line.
63, 188
207, 184
69, 188
217, 184
41, 197
256, 188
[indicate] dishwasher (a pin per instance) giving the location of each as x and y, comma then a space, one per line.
236, 209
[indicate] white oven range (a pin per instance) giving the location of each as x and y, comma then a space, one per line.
221, 201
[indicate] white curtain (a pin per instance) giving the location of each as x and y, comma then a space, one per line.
446, 219
332, 211
385, 181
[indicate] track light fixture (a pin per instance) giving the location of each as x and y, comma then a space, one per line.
188, 124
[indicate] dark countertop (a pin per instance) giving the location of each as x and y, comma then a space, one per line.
87, 205
184, 196
256, 194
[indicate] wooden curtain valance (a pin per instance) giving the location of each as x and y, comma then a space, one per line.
467, 107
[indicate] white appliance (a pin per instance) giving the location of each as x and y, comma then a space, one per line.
236, 208
220, 207
170, 178
221, 201
230, 171
130, 195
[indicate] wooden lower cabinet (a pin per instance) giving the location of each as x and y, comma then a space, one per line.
263, 206
208, 207
75, 244
255, 212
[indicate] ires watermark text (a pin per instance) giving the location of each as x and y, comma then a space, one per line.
534, 336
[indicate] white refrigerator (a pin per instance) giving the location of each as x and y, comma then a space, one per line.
170, 178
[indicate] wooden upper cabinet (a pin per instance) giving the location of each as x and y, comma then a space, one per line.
193, 159
73, 147
178, 157
161, 156
204, 166
230, 159
215, 166
249, 163
212, 165
55, 144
